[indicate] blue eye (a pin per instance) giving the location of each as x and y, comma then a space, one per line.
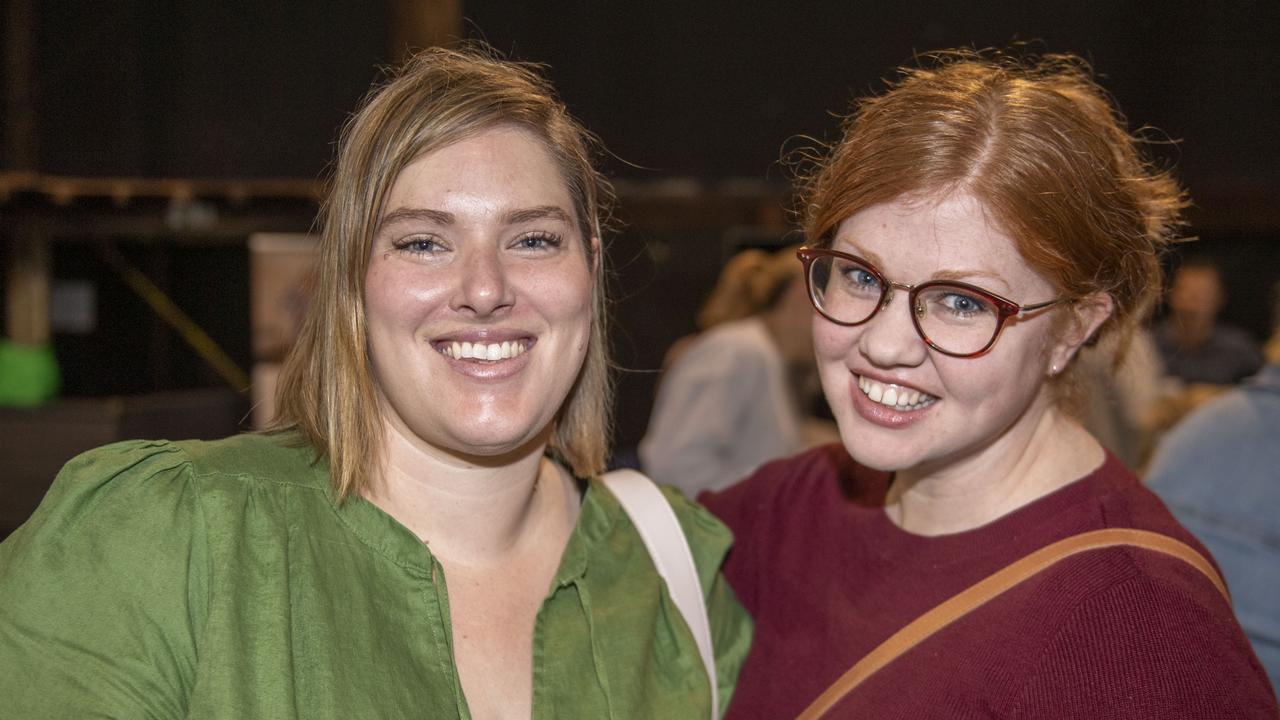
419, 245
860, 278
963, 305
538, 241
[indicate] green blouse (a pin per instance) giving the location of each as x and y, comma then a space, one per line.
222, 580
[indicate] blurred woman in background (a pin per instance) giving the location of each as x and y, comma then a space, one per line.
426, 535
971, 230
733, 396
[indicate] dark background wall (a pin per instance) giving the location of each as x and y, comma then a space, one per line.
711, 91
714, 88
703, 89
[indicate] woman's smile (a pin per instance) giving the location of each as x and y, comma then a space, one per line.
894, 397
887, 404
483, 352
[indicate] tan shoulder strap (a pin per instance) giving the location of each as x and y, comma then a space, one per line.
992, 586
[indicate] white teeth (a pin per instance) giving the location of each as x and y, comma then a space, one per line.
898, 398
875, 391
488, 352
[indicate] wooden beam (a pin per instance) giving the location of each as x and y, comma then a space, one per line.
419, 24
27, 296
20, 146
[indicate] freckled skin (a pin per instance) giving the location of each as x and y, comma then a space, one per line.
983, 403
461, 252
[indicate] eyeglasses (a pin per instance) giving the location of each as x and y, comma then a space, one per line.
954, 318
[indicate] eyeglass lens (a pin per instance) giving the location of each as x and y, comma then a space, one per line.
953, 318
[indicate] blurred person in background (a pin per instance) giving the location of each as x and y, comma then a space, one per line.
734, 395
1119, 390
1218, 470
426, 534
1195, 346
1201, 356
969, 550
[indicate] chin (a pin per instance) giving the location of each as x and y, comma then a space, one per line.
498, 444
882, 454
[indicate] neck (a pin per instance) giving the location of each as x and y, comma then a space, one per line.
1029, 461
468, 510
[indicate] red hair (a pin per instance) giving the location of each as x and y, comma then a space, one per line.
1039, 143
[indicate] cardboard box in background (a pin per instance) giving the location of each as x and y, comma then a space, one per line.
280, 276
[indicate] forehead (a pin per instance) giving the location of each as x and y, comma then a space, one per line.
916, 238
496, 169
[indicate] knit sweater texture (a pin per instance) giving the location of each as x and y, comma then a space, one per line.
1114, 633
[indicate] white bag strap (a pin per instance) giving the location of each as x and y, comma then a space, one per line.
660, 530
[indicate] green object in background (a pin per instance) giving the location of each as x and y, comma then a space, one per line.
28, 374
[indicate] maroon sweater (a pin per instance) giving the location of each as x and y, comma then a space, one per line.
1115, 633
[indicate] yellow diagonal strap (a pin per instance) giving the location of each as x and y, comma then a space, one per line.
992, 586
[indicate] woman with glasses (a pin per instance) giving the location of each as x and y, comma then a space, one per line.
973, 228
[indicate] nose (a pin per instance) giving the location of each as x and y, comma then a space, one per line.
890, 339
483, 287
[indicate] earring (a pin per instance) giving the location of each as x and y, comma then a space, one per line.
1053, 369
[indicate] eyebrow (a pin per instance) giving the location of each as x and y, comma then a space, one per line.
441, 217
862, 252
541, 212
956, 275
965, 275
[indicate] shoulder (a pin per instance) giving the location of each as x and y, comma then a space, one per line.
1234, 337
708, 538
1131, 635
1117, 624
1127, 578
276, 458
248, 454
818, 474
1229, 418
137, 483
123, 485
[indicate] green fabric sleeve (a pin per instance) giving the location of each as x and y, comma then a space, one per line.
731, 626
104, 590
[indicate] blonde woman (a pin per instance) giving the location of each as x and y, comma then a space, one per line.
425, 536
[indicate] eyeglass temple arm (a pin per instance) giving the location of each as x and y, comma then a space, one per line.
1022, 309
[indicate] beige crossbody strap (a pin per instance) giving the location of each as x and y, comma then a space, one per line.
660, 531
979, 593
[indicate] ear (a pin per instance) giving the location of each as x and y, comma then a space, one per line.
1087, 315
594, 244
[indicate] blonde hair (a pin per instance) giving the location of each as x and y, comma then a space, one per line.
438, 97
751, 283
1039, 143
